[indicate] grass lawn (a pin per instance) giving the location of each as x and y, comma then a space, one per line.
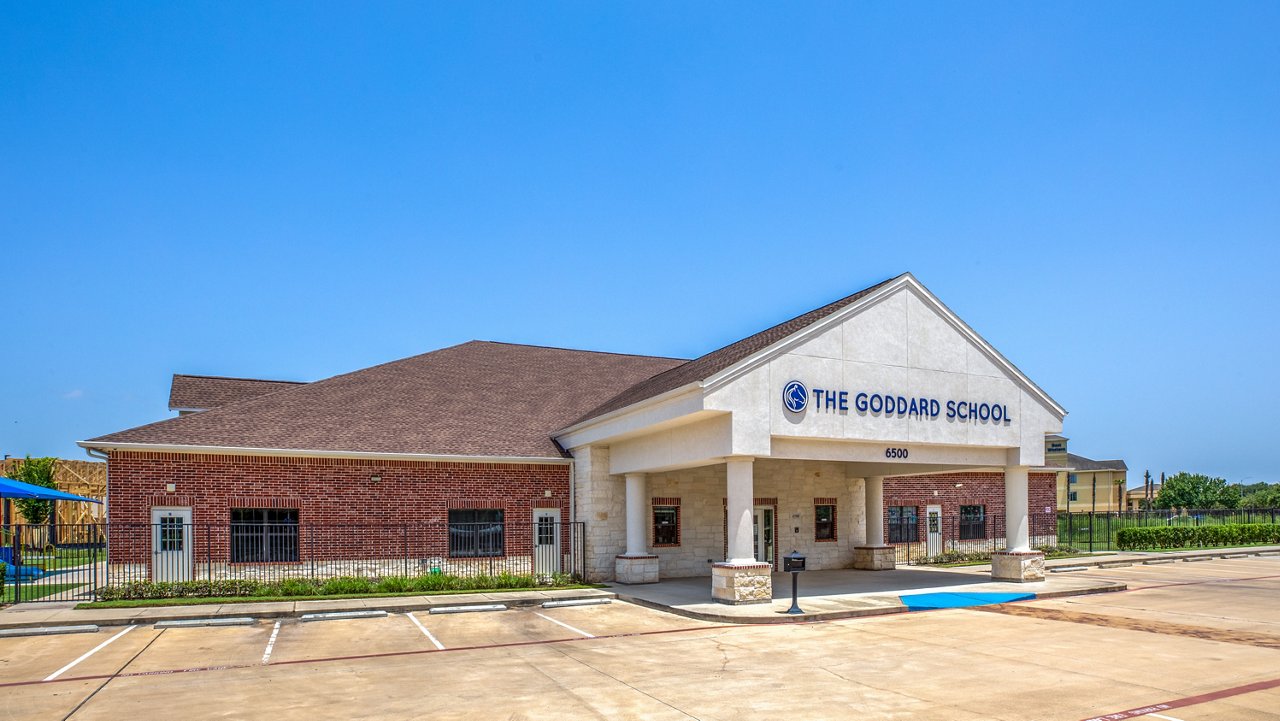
31, 593
62, 558
143, 603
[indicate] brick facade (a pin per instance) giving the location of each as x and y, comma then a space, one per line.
326, 492
975, 489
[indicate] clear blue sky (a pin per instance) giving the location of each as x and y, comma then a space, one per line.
291, 191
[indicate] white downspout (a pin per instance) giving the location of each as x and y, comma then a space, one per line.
106, 516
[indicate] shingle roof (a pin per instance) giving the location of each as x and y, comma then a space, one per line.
475, 399
1080, 463
204, 392
708, 365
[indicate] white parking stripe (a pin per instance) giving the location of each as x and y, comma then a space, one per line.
95, 649
578, 631
1166, 718
271, 643
427, 633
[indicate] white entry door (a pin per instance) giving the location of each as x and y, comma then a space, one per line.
546, 541
762, 530
934, 529
171, 544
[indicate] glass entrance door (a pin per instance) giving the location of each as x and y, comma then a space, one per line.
762, 531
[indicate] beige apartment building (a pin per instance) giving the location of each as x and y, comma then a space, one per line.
1083, 483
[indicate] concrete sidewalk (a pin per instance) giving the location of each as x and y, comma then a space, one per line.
847, 593
823, 595
33, 615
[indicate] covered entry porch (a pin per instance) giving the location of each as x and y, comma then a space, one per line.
846, 593
734, 520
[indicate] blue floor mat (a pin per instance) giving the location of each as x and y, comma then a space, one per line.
929, 601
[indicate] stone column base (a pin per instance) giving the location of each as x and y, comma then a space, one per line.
1016, 566
739, 584
873, 558
635, 569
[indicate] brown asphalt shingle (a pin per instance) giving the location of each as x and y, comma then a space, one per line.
708, 365
205, 392
477, 398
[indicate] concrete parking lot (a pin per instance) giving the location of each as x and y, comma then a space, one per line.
1188, 641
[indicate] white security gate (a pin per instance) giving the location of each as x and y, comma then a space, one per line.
934, 528
546, 541
171, 544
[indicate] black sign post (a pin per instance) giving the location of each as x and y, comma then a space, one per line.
794, 563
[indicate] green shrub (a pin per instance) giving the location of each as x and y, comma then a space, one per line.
342, 585
393, 584
4, 573
1227, 534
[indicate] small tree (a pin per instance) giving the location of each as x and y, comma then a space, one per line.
37, 472
1195, 490
1268, 496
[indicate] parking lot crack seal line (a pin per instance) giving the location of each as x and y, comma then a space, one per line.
564, 652
1203, 633
107, 679
1187, 701
387, 654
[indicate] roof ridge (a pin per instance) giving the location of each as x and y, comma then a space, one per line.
580, 350
622, 400
237, 378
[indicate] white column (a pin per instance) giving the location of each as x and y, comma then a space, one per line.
739, 502
1016, 522
636, 504
874, 488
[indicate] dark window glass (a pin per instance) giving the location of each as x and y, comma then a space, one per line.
476, 532
973, 522
264, 535
171, 533
824, 522
666, 525
902, 524
1072, 496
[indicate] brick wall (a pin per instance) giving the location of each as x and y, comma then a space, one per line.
326, 492
978, 489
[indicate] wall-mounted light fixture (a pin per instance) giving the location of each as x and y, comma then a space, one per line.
375, 478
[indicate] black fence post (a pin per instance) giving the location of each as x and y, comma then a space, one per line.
405, 529
1091, 524
17, 563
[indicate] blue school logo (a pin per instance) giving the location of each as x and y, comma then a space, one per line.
795, 396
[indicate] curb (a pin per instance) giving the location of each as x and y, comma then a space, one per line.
780, 618
192, 613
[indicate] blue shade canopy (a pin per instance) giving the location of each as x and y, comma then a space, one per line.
10, 488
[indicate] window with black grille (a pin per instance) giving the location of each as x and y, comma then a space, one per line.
264, 535
973, 522
666, 525
477, 532
903, 521
824, 522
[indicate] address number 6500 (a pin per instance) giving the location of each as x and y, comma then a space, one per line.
895, 453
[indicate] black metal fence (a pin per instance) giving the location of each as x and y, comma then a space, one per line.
64, 563
1090, 531
921, 540
934, 539
85, 558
